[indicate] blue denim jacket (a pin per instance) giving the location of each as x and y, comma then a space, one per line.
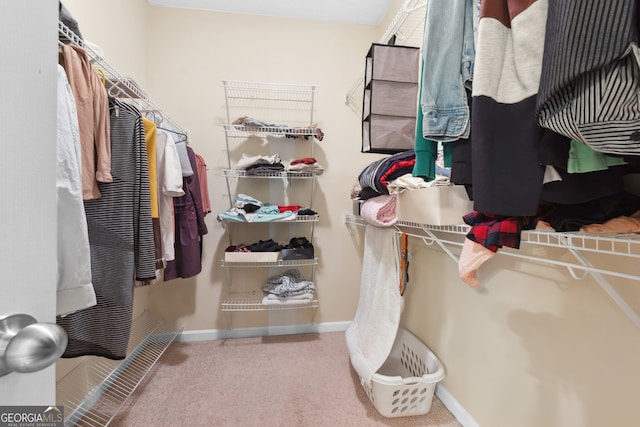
448, 56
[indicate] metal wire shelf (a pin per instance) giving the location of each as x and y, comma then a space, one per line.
294, 134
626, 244
252, 301
94, 392
279, 263
298, 218
238, 173
278, 92
576, 243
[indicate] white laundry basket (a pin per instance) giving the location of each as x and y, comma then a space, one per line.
404, 385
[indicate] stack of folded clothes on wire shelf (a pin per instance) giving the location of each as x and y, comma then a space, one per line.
250, 209
249, 124
256, 165
305, 164
259, 246
288, 288
298, 248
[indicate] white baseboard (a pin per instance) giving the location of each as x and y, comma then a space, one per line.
455, 407
263, 331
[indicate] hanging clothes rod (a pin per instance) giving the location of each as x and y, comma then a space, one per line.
118, 85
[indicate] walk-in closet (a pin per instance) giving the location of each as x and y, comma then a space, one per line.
368, 213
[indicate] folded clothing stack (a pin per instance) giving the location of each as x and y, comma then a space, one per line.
259, 246
305, 164
288, 288
298, 243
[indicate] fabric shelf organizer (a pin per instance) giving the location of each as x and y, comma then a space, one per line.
390, 98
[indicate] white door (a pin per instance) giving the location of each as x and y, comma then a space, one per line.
28, 58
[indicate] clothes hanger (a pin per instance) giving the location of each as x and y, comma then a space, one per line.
103, 78
183, 136
154, 115
114, 90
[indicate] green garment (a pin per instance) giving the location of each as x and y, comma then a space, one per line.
583, 158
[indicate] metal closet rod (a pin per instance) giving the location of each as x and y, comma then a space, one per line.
120, 86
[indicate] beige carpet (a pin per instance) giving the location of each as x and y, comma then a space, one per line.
294, 380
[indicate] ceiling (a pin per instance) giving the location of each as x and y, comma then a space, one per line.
367, 12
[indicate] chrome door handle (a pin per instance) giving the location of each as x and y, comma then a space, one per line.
29, 346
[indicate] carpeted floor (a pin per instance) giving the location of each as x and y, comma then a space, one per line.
293, 380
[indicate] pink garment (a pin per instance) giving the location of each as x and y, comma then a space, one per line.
92, 106
622, 224
473, 255
380, 210
201, 170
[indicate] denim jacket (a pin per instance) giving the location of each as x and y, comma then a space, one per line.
448, 56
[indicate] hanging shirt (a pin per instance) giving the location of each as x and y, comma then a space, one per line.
507, 175
201, 168
150, 144
93, 118
169, 186
189, 228
75, 290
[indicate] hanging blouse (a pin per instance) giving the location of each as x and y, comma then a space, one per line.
189, 228
169, 186
75, 290
93, 118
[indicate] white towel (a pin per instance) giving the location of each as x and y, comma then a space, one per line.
273, 300
371, 335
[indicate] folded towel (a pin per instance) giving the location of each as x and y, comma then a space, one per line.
268, 300
380, 211
306, 295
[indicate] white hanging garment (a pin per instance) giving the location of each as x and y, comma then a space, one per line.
75, 290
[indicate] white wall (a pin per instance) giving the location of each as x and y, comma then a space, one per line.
531, 347
196, 50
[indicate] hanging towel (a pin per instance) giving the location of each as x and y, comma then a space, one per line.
371, 334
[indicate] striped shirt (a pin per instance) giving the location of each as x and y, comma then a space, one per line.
590, 82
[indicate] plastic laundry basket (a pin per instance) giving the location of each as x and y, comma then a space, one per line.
404, 385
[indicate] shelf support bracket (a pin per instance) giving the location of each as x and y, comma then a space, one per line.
606, 286
432, 238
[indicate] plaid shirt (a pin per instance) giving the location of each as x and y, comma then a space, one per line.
496, 231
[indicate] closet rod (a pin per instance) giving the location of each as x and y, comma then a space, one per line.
124, 87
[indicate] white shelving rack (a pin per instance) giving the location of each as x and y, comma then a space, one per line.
285, 113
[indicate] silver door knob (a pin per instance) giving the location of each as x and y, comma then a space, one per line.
29, 346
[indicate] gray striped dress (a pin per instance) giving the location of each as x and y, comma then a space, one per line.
121, 243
